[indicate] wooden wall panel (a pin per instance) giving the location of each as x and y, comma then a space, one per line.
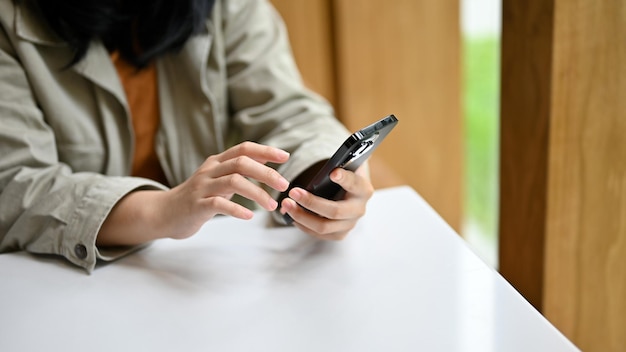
585, 281
311, 31
403, 57
311, 34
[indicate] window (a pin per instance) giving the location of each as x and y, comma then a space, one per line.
481, 28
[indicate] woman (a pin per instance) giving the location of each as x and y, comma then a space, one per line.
122, 122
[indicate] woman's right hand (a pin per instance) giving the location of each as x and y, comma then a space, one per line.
209, 190
180, 212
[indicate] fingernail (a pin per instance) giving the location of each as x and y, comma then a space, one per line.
248, 215
285, 206
295, 194
284, 153
336, 175
272, 204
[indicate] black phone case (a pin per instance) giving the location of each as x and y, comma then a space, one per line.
350, 155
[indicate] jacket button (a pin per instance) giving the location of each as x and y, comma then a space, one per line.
80, 251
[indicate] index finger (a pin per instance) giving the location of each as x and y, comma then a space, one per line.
258, 152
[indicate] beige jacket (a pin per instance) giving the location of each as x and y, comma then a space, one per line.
66, 139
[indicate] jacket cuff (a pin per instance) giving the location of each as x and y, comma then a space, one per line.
79, 240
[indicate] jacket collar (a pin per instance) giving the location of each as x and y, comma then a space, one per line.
95, 66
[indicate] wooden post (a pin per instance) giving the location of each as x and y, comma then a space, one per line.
563, 164
524, 130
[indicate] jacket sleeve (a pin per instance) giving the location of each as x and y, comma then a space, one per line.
267, 99
45, 207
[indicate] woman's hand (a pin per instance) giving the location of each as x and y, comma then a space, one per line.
179, 213
328, 219
209, 190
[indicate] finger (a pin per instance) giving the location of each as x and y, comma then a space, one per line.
250, 168
335, 210
315, 225
337, 236
353, 183
258, 152
220, 205
235, 183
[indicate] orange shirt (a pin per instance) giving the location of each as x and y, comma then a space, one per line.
141, 88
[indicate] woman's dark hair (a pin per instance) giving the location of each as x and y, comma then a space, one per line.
139, 29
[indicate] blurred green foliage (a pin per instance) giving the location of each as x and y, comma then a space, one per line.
481, 67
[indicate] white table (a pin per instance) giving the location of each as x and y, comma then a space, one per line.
402, 281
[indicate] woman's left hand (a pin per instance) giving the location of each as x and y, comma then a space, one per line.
329, 219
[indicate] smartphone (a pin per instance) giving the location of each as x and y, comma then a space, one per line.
350, 155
